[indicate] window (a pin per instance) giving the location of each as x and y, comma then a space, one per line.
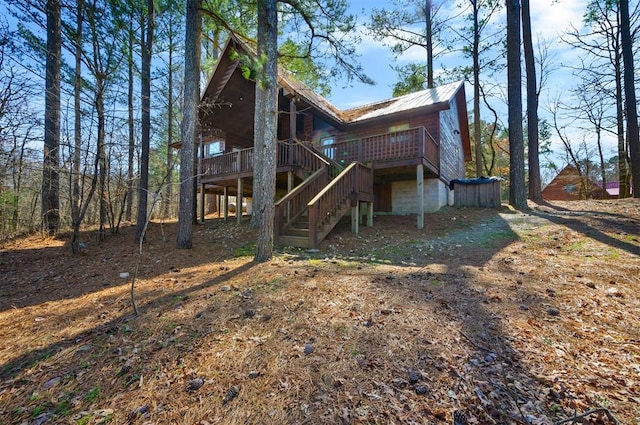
213, 148
571, 188
326, 145
403, 137
399, 127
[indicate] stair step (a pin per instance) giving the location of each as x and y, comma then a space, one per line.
297, 241
297, 232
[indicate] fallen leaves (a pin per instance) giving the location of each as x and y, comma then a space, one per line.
334, 336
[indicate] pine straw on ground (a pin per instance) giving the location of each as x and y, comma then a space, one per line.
509, 317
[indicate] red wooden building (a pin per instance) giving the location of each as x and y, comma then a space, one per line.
569, 185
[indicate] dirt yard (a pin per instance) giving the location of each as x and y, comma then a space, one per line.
507, 317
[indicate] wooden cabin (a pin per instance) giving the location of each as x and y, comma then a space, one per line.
394, 157
569, 185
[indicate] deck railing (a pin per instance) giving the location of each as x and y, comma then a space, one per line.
241, 162
237, 162
400, 145
397, 146
304, 157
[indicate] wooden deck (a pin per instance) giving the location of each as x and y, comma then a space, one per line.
403, 148
408, 147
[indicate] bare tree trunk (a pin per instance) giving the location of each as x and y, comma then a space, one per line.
102, 157
633, 138
429, 40
76, 197
490, 140
196, 169
517, 192
623, 161
193, 34
477, 130
258, 151
268, 48
50, 177
83, 203
147, 45
535, 185
169, 172
603, 173
258, 148
130, 123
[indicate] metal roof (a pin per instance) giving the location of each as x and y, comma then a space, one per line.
441, 96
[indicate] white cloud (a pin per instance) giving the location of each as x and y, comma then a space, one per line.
549, 18
369, 45
414, 54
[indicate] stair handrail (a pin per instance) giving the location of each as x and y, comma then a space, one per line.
300, 187
294, 204
346, 186
332, 163
288, 202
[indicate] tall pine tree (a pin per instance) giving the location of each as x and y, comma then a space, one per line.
50, 177
193, 33
517, 192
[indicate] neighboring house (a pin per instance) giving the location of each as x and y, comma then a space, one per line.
395, 156
568, 185
612, 188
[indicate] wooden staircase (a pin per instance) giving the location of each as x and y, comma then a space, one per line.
306, 215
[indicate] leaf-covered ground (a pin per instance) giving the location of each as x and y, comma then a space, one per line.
508, 317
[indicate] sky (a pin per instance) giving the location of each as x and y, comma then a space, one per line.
550, 18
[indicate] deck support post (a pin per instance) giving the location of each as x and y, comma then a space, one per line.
239, 202
226, 203
355, 217
200, 176
292, 119
420, 195
202, 199
369, 214
290, 183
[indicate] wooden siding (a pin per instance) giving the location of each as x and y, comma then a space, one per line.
307, 130
430, 122
284, 129
486, 195
382, 195
451, 153
568, 186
